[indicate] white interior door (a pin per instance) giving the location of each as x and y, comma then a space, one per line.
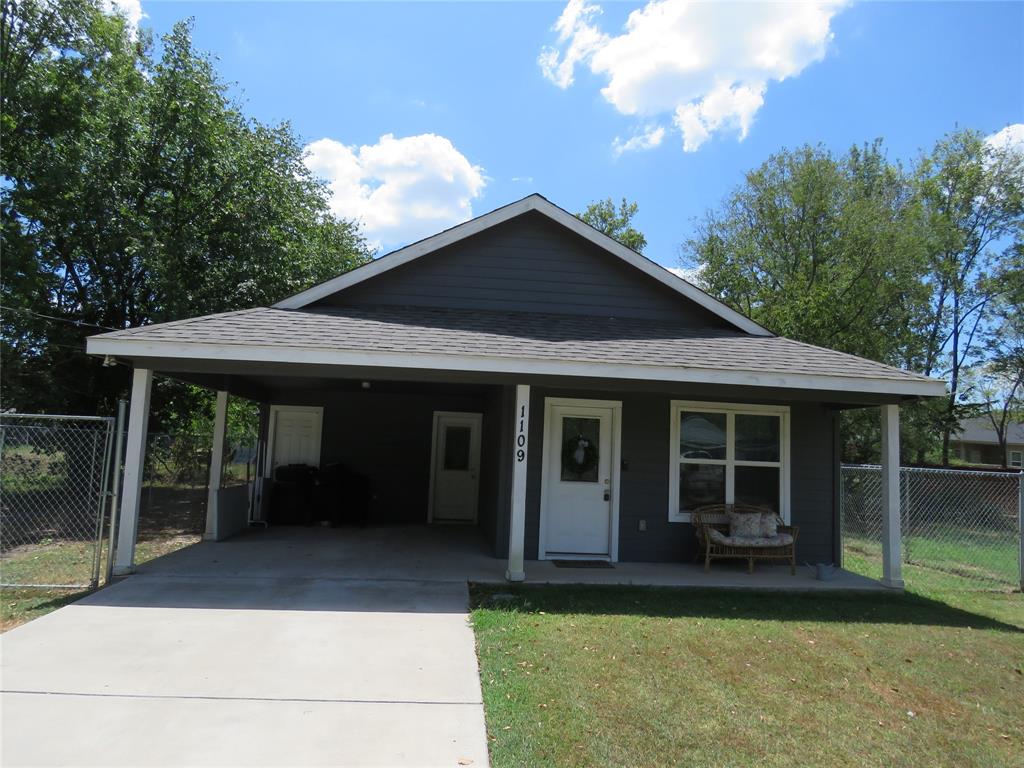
578, 480
295, 436
455, 483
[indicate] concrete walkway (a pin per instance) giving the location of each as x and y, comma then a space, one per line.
458, 554
209, 668
290, 647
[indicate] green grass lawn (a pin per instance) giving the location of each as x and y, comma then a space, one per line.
171, 518
630, 676
941, 562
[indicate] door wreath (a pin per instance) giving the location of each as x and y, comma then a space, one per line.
579, 454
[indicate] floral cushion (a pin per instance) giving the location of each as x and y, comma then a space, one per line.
778, 540
745, 524
769, 524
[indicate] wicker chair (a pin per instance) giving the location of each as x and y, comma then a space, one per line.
715, 517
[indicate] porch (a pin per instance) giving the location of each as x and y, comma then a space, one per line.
422, 553
389, 433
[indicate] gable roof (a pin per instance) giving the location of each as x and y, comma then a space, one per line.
511, 342
979, 429
548, 209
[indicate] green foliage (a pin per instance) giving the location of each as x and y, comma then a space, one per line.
854, 253
823, 250
136, 191
972, 200
615, 222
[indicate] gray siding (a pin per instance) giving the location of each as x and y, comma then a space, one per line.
232, 511
530, 264
387, 436
644, 491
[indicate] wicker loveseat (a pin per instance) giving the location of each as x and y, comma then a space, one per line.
711, 524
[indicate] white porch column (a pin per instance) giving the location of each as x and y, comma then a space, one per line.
134, 463
892, 553
220, 418
517, 522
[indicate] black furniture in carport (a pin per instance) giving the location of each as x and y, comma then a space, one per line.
342, 496
304, 495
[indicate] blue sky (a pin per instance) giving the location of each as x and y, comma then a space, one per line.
477, 119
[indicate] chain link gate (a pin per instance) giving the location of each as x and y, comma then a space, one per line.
961, 529
54, 472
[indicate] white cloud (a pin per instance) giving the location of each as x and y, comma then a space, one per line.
400, 189
131, 10
1011, 137
689, 275
648, 137
579, 38
707, 64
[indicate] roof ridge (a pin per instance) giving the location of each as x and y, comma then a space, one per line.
652, 322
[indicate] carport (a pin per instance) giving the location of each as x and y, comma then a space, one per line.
434, 446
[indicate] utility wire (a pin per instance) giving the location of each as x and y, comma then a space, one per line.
78, 323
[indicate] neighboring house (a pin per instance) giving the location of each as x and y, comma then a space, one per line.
978, 443
524, 373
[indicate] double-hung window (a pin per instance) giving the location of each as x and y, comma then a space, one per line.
725, 453
1017, 459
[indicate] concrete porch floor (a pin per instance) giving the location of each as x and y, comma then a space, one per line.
451, 554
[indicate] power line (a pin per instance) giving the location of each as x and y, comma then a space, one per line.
78, 323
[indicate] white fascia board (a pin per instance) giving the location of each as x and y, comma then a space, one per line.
130, 348
532, 203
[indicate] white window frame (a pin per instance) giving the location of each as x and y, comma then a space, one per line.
730, 462
1018, 462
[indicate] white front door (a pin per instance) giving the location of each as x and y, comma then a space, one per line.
295, 436
580, 458
455, 483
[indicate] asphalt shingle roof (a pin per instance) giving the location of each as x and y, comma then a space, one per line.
980, 430
514, 335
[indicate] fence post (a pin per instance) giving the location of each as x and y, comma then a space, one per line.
1020, 529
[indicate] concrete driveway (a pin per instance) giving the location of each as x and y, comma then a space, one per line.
205, 669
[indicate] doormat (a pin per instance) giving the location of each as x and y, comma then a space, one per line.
582, 564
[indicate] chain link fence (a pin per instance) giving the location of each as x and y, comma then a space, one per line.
172, 508
54, 472
961, 530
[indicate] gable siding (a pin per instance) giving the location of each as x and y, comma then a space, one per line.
530, 264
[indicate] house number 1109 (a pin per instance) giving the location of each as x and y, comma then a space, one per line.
521, 435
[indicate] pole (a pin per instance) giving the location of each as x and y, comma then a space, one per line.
115, 497
1020, 529
94, 580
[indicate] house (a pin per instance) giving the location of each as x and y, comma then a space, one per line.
978, 443
526, 374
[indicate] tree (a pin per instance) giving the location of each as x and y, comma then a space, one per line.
616, 223
136, 191
821, 249
828, 250
997, 384
972, 199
